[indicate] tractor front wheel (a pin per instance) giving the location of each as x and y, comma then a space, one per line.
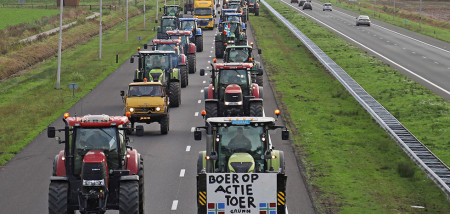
256, 109
164, 125
219, 49
259, 80
199, 43
211, 110
184, 76
192, 63
175, 94
256, 11
57, 197
129, 197
141, 184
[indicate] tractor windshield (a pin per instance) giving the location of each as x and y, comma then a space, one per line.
233, 77
145, 91
172, 11
233, 6
233, 18
168, 24
231, 27
251, 1
238, 55
187, 25
157, 62
202, 11
243, 139
166, 47
183, 38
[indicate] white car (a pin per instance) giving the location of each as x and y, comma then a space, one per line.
362, 20
327, 6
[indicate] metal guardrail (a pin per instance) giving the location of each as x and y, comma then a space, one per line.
435, 169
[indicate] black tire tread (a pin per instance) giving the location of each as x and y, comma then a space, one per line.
57, 197
256, 109
175, 94
199, 43
192, 63
211, 110
129, 197
164, 125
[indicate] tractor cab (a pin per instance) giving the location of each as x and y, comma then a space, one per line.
167, 23
184, 36
95, 161
191, 24
173, 10
244, 53
225, 11
240, 145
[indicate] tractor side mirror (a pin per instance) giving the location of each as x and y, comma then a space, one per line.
156, 20
160, 9
218, 12
122, 93
259, 51
145, 46
131, 60
213, 156
140, 130
218, 5
285, 134
159, 29
181, 9
51, 132
197, 135
202, 72
260, 71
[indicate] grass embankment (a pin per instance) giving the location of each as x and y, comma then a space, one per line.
437, 29
351, 163
29, 103
13, 16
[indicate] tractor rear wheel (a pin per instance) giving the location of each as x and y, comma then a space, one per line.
129, 197
175, 94
141, 184
184, 76
219, 49
256, 109
164, 124
259, 80
256, 11
57, 197
192, 63
211, 110
199, 43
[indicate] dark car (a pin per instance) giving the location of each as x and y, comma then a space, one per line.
301, 3
294, 1
307, 5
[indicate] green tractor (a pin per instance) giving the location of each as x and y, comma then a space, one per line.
173, 10
244, 53
160, 66
230, 32
167, 23
239, 154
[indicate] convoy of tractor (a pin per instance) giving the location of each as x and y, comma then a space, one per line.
238, 172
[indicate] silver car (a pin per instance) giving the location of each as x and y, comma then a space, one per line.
327, 6
362, 20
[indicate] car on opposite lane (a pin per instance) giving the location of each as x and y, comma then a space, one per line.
307, 5
327, 6
363, 20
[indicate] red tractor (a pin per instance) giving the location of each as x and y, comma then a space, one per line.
188, 47
231, 92
97, 170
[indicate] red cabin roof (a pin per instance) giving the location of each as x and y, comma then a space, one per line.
179, 32
233, 65
97, 120
166, 41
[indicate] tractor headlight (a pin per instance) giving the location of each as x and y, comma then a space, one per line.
158, 109
131, 109
94, 182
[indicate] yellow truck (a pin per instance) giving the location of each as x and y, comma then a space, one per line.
204, 12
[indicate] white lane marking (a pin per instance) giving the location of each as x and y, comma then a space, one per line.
188, 148
204, 81
182, 173
437, 63
376, 53
202, 91
199, 101
206, 74
424, 57
404, 48
196, 114
397, 33
210, 56
174, 205
413, 52
192, 129
387, 41
395, 44
207, 67
211, 51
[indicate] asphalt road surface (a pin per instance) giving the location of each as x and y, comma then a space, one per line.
422, 58
170, 160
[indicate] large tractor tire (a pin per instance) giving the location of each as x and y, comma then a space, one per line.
184, 76
141, 185
211, 110
57, 197
192, 63
185, 10
256, 109
175, 94
199, 43
219, 49
164, 125
259, 80
256, 11
129, 197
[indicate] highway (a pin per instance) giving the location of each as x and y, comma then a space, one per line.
170, 160
422, 58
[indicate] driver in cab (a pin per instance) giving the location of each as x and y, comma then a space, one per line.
240, 141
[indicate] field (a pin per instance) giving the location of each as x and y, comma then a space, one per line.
13, 16
351, 164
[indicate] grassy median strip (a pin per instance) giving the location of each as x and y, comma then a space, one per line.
29, 103
351, 164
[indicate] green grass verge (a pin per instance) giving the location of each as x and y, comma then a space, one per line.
14, 16
401, 19
351, 163
29, 103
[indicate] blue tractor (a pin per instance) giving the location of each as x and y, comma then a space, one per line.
197, 34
